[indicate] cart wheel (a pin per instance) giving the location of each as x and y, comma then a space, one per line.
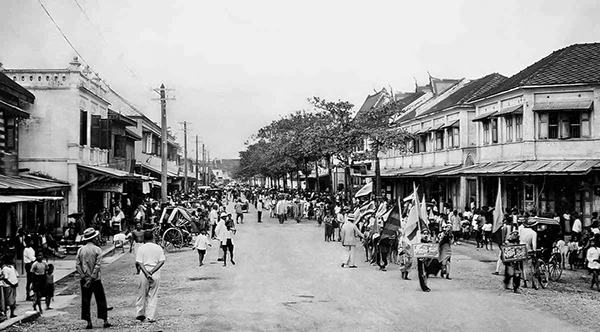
555, 270
172, 239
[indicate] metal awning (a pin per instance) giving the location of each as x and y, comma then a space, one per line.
111, 172
158, 171
423, 131
17, 111
455, 123
536, 167
483, 117
563, 106
8, 199
29, 183
437, 127
130, 133
517, 109
416, 171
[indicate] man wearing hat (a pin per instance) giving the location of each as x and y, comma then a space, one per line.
350, 235
220, 232
87, 264
528, 236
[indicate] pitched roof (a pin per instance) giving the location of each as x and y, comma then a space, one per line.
14, 86
469, 91
578, 63
407, 101
370, 102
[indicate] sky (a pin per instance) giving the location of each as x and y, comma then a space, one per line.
235, 66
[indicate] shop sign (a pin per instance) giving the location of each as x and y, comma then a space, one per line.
115, 187
426, 250
513, 253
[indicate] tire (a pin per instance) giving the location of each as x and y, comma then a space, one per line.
543, 275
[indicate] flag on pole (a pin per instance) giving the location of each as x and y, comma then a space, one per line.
412, 231
498, 214
392, 223
365, 209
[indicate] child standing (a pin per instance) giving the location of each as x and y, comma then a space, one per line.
10, 282
200, 245
49, 286
39, 270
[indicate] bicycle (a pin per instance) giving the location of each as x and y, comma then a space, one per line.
538, 270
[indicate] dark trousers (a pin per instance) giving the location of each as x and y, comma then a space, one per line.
201, 253
422, 274
383, 262
97, 290
259, 216
225, 247
281, 218
239, 216
29, 278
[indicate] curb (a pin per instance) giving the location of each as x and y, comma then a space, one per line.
27, 317
30, 316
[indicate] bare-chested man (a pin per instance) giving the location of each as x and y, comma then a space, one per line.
137, 235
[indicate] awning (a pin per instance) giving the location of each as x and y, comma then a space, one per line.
423, 131
26, 183
17, 111
158, 171
563, 106
133, 135
416, 171
517, 109
536, 167
8, 199
365, 190
111, 172
437, 127
483, 117
455, 123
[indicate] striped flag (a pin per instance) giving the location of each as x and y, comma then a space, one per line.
392, 223
498, 215
365, 209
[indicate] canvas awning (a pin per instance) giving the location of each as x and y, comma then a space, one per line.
483, 117
455, 123
365, 190
534, 167
517, 109
9, 199
563, 106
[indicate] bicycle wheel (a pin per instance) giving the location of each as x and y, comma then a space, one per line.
542, 274
555, 270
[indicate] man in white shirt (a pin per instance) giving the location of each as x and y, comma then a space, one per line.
213, 216
150, 257
528, 237
259, 208
577, 226
28, 259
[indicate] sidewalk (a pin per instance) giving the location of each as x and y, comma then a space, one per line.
62, 269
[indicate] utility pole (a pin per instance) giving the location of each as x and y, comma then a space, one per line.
196, 189
164, 139
185, 158
203, 165
209, 172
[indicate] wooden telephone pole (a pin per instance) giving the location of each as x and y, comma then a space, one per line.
196, 186
164, 139
185, 158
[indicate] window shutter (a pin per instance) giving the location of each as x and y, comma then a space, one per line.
149, 143
456, 137
543, 125
105, 134
585, 124
95, 135
83, 123
565, 127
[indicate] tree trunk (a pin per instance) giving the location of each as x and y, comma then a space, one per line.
377, 184
317, 185
348, 184
330, 176
284, 178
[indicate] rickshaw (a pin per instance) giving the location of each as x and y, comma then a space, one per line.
174, 228
548, 233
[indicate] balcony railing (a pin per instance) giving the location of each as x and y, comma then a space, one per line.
88, 156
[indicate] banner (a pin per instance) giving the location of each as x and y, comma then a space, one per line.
426, 250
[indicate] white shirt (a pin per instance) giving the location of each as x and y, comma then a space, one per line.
593, 253
28, 255
201, 242
149, 255
121, 237
11, 274
577, 226
529, 237
259, 206
213, 216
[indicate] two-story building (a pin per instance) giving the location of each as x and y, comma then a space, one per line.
538, 132
78, 152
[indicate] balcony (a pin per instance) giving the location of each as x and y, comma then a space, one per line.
424, 159
86, 155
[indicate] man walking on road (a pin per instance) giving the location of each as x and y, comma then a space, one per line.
87, 264
350, 235
137, 238
239, 213
259, 208
281, 209
148, 261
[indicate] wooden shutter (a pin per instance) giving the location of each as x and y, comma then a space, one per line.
543, 125
585, 124
95, 135
83, 123
106, 134
565, 126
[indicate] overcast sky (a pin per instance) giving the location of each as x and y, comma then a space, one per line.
237, 65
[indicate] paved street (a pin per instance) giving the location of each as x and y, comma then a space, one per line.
287, 278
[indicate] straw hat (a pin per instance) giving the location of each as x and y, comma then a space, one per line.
89, 234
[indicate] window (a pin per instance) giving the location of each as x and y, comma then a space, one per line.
10, 138
415, 145
83, 127
147, 142
518, 127
423, 143
95, 132
120, 146
486, 132
562, 125
509, 128
439, 140
494, 130
456, 137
